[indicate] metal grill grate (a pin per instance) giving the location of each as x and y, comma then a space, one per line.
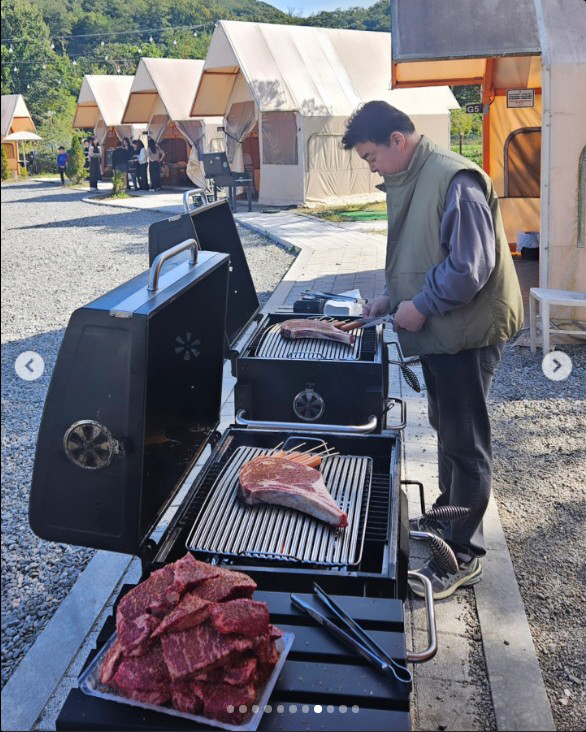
273, 345
225, 526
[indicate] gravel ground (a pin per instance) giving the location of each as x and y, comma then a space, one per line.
58, 253
539, 442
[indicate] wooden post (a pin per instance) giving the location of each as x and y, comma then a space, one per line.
486, 97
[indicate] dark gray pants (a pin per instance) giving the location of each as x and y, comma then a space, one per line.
457, 391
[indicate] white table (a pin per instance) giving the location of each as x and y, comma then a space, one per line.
546, 297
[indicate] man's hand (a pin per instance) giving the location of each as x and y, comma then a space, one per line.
408, 317
377, 307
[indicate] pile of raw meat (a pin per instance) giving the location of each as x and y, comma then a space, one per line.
190, 635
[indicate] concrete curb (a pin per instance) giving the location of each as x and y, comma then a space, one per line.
519, 697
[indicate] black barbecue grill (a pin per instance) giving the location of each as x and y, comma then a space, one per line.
134, 399
306, 381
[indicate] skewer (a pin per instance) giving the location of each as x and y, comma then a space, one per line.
274, 450
294, 449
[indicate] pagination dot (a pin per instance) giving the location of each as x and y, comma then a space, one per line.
317, 709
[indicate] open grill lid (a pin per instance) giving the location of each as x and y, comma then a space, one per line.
134, 398
214, 228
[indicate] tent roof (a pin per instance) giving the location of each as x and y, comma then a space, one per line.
102, 95
514, 34
564, 25
316, 71
14, 107
173, 80
463, 29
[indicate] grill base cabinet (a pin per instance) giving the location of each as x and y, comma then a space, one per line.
134, 399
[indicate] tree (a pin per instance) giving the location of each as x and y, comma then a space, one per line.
461, 124
75, 161
5, 168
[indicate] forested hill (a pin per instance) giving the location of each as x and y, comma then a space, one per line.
48, 45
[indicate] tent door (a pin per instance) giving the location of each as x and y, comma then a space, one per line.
251, 156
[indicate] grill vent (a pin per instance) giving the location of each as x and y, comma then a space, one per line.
377, 528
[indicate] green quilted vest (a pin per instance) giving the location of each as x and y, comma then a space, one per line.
415, 205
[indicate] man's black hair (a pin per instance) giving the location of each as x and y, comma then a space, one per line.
61, 147
375, 122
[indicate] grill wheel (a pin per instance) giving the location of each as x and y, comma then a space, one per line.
308, 405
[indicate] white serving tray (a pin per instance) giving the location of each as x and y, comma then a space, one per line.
89, 683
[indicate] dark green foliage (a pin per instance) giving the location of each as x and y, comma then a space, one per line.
5, 168
118, 183
46, 65
75, 161
375, 18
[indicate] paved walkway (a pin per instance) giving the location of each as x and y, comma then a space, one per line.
485, 673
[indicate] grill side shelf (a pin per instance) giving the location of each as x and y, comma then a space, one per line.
319, 671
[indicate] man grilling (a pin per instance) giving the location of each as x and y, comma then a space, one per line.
452, 286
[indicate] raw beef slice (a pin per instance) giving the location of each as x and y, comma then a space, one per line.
191, 611
245, 617
227, 586
199, 648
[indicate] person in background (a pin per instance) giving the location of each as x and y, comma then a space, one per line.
131, 161
62, 163
86, 153
454, 292
142, 165
95, 157
120, 161
156, 156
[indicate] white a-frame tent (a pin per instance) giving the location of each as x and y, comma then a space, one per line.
100, 105
161, 95
286, 92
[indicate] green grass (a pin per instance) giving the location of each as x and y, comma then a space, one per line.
472, 152
370, 211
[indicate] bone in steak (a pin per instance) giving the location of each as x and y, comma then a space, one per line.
309, 328
268, 479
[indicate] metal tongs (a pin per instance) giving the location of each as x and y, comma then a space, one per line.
365, 322
354, 637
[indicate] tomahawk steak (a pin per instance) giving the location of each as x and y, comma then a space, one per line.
269, 479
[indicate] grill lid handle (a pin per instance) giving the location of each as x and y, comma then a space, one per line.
193, 194
160, 260
307, 426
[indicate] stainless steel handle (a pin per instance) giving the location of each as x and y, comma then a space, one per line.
431, 650
160, 260
306, 427
192, 194
403, 421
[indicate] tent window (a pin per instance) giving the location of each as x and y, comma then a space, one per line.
325, 152
582, 200
523, 163
279, 138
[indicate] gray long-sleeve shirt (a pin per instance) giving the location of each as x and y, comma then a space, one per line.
467, 236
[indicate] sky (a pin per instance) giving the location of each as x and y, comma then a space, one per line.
308, 7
